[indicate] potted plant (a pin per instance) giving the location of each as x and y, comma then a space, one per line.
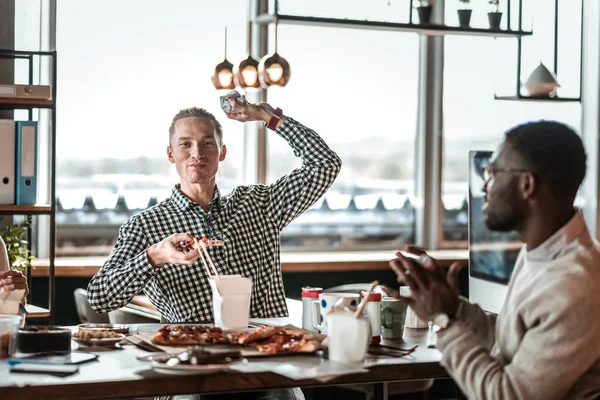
19, 257
424, 9
495, 16
464, 13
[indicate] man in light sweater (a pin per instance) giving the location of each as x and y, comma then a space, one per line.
545, 343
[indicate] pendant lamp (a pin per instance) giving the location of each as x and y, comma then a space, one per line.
246, 73
223, 76
273, 69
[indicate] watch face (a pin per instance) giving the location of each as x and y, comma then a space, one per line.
442, 320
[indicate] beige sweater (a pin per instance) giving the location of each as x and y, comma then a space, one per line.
545, 343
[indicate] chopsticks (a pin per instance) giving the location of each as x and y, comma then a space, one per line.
390, 351
203, 251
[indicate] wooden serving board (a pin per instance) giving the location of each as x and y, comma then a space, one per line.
146, 338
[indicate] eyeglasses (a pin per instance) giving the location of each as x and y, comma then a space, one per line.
488, 172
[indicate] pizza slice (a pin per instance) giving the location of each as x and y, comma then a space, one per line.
286, 343
260, 333
187, 246
182, 335
212, 242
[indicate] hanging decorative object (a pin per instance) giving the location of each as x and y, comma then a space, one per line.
223, 76
246, 73
273, 69
541, 83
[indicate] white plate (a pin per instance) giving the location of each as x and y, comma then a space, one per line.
99, 341
188, 369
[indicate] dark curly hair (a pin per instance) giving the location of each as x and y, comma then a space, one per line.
553, 152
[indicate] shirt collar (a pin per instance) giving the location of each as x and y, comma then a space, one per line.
558, 242
182, 202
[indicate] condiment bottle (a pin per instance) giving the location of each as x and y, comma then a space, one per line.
373, 311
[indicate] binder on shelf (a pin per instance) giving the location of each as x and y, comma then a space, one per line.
39, 92
7, 161
26, 163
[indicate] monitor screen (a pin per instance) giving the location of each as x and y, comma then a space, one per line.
492, 255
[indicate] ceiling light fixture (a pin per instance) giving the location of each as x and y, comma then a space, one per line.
223, 76
273, 69
246, 73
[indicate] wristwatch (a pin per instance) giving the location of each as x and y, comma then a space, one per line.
440, 321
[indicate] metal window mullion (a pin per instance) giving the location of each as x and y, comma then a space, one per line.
428, 144
590, 119
260, 48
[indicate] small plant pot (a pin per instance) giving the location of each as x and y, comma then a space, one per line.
495, 18
464, 17
424, 14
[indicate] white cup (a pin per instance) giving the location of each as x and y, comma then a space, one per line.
322, 307
348, 337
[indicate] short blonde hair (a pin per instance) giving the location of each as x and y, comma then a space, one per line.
199, 113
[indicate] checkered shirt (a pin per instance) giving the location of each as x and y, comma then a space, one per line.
249, 220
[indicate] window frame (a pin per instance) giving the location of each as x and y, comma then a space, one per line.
429, 146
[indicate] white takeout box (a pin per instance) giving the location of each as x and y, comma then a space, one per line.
231, 301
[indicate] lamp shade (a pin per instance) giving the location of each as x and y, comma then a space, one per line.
246, 74
274, 70
223, 76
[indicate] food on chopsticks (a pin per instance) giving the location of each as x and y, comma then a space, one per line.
188, 245
199, 356
266, 339
187, 335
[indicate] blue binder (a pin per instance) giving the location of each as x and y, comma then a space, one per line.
26, 163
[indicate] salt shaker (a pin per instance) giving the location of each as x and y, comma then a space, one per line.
373, 311
308, 295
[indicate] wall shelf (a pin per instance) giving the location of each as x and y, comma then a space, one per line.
36, 312
527, 98
423, 29
23, 102
13, 209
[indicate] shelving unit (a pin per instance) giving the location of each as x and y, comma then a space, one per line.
38, 209
520, 97
423, 29
427, 29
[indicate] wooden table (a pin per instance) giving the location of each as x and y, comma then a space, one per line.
117, 373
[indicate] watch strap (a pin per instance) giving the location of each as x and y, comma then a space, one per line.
275, 119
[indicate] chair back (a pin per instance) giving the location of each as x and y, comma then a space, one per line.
85, 312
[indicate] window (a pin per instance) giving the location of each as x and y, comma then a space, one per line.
358, 90
124, 70
473, 120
